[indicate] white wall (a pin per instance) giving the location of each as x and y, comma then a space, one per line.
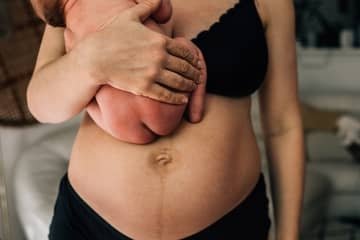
1, 234
328, 73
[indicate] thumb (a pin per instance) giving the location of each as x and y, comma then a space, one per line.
145, 8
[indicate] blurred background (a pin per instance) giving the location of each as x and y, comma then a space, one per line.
34, 156
328, 24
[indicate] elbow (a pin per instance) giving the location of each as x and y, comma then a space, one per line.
289, 122
47, 117
41, 115
283, 131
33, 106
278, 127
41, 111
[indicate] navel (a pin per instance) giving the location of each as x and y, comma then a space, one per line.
163, 160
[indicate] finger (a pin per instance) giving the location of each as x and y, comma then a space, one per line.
179, 49
176, 81
196, 104
183, 68
163, 13
197, 99
145, 8
162, 94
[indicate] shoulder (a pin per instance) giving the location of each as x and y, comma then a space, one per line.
275, 12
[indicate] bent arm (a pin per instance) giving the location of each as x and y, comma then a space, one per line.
281, 119
60, 87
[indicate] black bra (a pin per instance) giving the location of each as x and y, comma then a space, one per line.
235, 51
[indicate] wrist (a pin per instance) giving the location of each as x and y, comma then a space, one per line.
85, 66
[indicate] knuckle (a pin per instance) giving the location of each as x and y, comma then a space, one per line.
166, 96
190, 57
159, 58
160, 42
152, 73
179, 82
186, 53
186, 84
197, 75
141, 87
184, 68
191, 85
179, 98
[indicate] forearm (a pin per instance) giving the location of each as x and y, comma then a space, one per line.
286, 157
60, 90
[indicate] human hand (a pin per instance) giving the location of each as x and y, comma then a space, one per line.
138, 60
196, 106
112, 108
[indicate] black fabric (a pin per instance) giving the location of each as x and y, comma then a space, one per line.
74, 220
235, 51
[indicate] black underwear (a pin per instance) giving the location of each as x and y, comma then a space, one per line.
74, 220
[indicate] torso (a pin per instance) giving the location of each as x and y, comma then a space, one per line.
182, 183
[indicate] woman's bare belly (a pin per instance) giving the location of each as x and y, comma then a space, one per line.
176, 186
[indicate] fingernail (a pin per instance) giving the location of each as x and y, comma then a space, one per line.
196, 117
194, 86
198, 79
198, 64
184, 100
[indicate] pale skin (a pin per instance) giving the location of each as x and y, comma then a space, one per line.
125, 116
281, 118
281, 124
156, 72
